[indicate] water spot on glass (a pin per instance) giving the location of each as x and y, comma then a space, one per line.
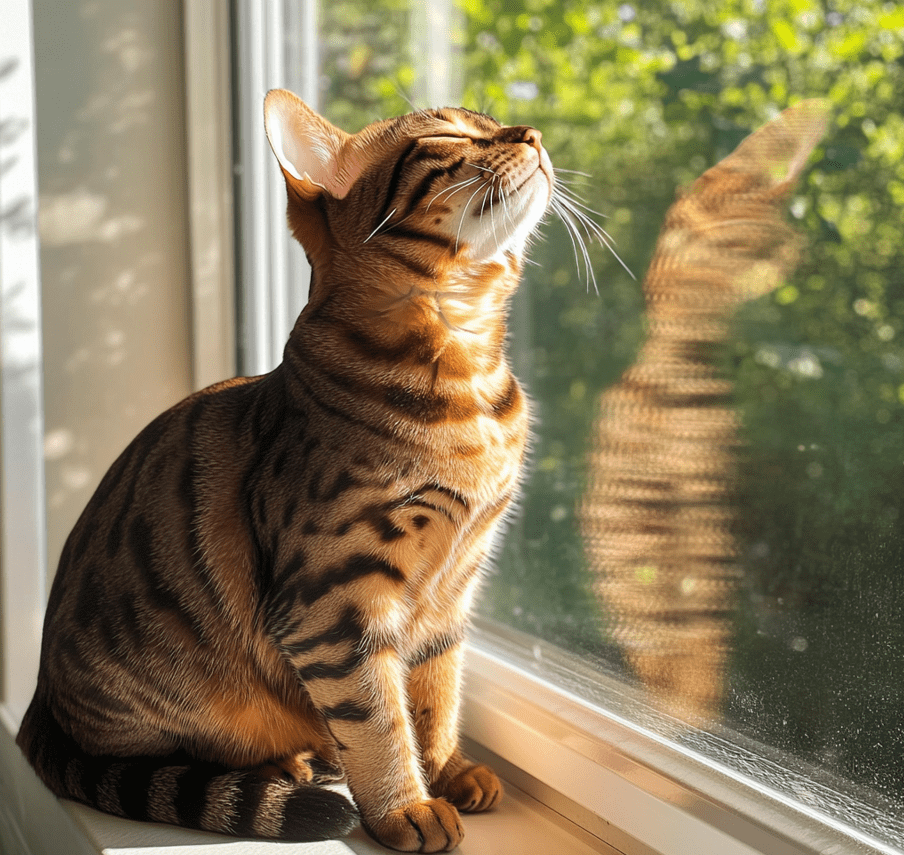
760, 549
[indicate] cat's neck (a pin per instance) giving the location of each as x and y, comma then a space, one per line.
450, 323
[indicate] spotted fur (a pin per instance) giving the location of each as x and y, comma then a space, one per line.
270, 587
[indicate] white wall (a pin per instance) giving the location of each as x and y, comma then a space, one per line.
113, 230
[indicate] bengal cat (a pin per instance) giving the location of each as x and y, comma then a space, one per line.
270, 587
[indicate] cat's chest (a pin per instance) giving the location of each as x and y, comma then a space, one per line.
417, 507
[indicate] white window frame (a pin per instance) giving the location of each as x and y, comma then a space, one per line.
273, 267
22, 538
601, 763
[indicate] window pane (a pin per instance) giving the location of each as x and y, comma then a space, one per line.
752, 583
748, 566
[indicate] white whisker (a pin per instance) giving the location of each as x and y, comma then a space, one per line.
575, 199
488, 194
481, 168
516, 191
575, 236
380, 226
604, 238
454, 188
505, 211
569, 209
461, 221
493, 221
483, 201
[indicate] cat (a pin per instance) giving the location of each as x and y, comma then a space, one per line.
270, 587
658, 514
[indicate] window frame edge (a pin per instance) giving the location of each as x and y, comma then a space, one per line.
650, 795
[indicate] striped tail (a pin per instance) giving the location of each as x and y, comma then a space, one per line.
181, 791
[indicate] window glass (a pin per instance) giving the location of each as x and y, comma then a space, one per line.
754, 579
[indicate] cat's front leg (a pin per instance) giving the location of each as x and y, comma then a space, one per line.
434, 689
363, 699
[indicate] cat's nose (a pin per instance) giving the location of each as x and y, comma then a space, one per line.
524, 134
532, 137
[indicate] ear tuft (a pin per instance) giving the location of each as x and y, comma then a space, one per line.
308, 148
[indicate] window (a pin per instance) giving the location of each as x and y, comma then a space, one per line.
775, 662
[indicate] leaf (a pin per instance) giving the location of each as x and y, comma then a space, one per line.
785, 35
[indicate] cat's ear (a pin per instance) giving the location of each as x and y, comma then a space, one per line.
779, 150
311, 152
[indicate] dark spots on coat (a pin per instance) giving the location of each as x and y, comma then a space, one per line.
349, 627
279, 464
437, 646
344, 481
508, 401
289, 512
347, 711
331, 670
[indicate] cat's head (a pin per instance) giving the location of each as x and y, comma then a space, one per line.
452, 185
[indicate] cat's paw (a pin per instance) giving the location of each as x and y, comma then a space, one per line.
474, 789
428, 826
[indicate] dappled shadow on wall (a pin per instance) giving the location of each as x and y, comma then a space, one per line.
113, 234
658, 516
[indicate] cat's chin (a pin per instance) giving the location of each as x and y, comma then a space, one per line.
507, 227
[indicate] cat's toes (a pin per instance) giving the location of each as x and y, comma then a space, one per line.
428, 826
474, 789
295, 767
305, 767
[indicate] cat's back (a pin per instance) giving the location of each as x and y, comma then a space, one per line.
153, 483
136, 589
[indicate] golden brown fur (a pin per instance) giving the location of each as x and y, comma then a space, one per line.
270, 586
